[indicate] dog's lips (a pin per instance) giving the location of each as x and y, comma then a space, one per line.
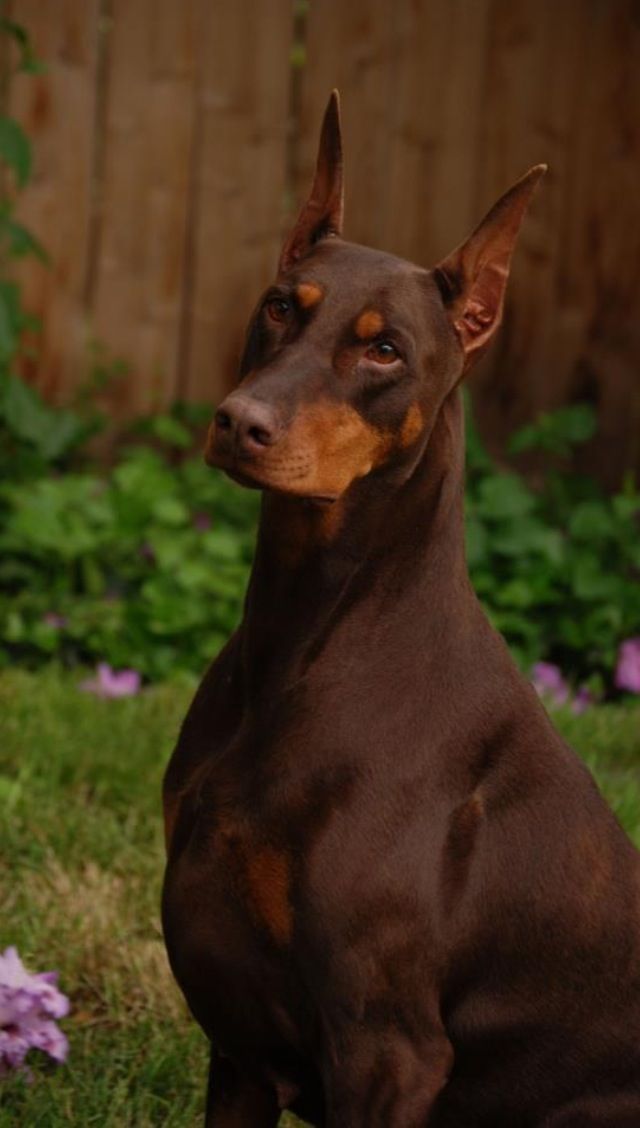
246, 473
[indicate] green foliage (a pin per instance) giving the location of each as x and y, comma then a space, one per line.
557, 568
35, 438
32, 435
124, 568
146, 566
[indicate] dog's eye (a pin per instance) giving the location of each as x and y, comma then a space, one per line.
382, 352
278, 308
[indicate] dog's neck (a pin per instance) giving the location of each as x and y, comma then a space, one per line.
395, 548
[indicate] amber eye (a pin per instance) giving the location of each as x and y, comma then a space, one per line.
382, 352
278, 308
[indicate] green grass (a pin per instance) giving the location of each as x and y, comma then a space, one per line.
81, 860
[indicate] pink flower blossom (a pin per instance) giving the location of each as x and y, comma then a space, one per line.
112, 683
549, 683
582, 700
146, 552
627, 675
29, 1004
52, 619
201, 522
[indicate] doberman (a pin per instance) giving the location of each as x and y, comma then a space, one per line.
394, 896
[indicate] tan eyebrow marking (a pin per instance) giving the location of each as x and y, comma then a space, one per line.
308, 294
368, 324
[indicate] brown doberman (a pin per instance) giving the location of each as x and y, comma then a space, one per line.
394, 896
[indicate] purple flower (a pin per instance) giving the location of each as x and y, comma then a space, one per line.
146, 552
29, 1004
112, 683
627, 675
52, 619
582, 700
201, 522
548, 682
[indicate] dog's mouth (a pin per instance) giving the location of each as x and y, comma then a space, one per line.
249, 474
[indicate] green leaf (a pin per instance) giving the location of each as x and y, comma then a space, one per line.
170, 511
556, 431
504, 496
15, 149
591, 521
171, 432
476, 542
29, 62
22, 242
515, 593
23, 408
8, 336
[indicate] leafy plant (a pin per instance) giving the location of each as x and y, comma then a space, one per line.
557, 568
33, 436
145, 568
146, 565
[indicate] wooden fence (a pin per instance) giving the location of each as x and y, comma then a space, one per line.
173, 137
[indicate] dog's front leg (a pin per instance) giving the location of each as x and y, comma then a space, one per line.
386, 1081
235, 1100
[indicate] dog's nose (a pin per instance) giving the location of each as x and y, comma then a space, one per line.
247, 425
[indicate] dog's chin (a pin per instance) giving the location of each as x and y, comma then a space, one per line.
252, 480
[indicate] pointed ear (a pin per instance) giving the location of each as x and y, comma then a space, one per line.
321, 216
472, 280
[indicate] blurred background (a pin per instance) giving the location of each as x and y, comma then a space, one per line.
172, 141
152, 153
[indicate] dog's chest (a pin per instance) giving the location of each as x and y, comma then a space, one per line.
229, 911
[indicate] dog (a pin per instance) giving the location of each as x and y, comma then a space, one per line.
394, 897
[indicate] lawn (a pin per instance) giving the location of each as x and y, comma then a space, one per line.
81, 861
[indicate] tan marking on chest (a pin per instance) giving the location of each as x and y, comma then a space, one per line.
369, 323
308, 294
412, 426
300, 530
268, 874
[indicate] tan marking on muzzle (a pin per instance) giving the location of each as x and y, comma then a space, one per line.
308, 294
341, 444
369, 323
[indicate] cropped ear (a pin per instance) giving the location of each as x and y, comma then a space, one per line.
473, 279
321, 216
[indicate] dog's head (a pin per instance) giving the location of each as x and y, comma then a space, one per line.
351, 351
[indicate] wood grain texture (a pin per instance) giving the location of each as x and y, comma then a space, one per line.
238, 183
138, 282
411, 78
564, 88
57, 110
446, 103
165, 149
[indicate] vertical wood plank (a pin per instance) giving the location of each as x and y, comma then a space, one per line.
137, 289
535, 71
239, 183
360, 48
57, 111
599, 259
567, 89
411, 77
446, 103
160, 194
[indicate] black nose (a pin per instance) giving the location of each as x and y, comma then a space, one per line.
247, 425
